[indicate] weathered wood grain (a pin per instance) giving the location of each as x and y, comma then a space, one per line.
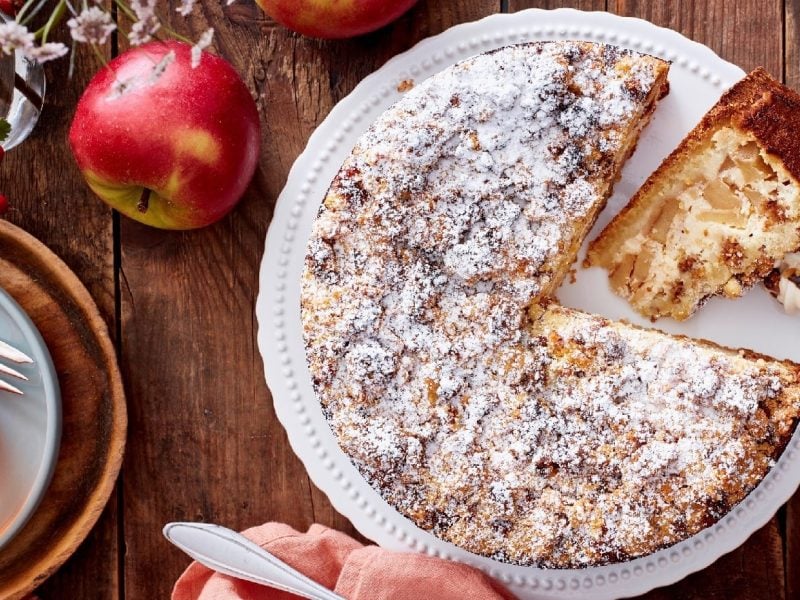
514, 5
49, 199
746, 32
791, 35
205, 442
748, 573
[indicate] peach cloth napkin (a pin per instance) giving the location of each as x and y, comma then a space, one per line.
342, 564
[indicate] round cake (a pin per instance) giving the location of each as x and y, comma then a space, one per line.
507, 425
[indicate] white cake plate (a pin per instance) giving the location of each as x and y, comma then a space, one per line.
697, 78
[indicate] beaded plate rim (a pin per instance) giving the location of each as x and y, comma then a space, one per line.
280, 334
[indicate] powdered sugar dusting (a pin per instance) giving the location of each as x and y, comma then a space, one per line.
565, 441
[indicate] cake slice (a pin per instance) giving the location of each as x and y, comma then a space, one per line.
589, 442
719, 211
640, 439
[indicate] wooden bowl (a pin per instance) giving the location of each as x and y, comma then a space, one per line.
93, 410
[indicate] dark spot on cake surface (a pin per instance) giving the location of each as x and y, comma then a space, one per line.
774, 211
611, 53
438, 520
732, 253
687, 263
772, 281
634, 90
501, 526
574, 54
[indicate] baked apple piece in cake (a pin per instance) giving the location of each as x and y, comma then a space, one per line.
720, 210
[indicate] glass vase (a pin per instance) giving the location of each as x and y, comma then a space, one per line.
22, 88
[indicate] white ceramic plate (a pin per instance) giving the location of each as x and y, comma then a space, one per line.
30, 425
697, 79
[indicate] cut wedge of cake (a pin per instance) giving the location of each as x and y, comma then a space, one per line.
599, 442
514, 428
720, 210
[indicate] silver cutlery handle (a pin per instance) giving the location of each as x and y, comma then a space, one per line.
230, 553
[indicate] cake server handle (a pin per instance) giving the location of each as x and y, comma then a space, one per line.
230, 553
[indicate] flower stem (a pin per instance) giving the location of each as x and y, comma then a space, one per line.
54, 19
24, 19
126, 9
176, 35
21, 12
132, 16
99, 54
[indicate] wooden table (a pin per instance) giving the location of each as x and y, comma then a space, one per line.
204, 443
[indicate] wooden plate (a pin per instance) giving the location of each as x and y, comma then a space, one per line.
93, 405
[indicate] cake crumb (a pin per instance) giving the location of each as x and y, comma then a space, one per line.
405, 85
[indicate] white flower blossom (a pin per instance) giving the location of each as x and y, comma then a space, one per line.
185, 8
92, 26
203, 43
144, 9
45, 52
142, 31
14, 36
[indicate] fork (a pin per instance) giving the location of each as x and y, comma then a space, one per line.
8, 352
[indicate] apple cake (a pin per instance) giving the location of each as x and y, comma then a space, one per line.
719, 211
514, 428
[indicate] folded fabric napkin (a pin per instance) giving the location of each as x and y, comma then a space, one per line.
340, 563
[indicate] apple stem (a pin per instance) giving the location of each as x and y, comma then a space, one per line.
144, 201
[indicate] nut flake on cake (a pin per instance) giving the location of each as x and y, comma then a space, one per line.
541, 437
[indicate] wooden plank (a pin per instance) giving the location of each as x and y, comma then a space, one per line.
748, 34
49, 198
92, 571
514, 5
792, 78
205, 443
791, 35
748, 573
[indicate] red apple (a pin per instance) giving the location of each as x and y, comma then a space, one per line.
334, 19
10, 7
174, 151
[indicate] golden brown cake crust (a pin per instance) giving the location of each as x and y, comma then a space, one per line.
775, 122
